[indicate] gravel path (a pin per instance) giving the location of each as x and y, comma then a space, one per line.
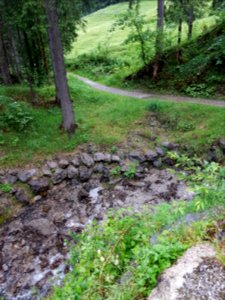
143, 95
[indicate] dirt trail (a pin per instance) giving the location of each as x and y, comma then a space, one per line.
143, 95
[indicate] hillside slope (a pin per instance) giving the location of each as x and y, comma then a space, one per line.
200, 69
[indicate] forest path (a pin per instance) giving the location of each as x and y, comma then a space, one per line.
143, 95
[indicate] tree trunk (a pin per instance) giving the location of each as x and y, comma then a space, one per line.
160, 23
56, 50
190, 21
159, 36
4, 67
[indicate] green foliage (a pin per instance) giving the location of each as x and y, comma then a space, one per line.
116, 171
14, 115
136, 22
199, 89
130, 173
155, 107
5, 187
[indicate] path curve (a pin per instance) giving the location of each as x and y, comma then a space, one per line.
143, 95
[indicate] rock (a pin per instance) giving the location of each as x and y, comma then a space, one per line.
174, 278
21, 196
115, 158
39, 186
37, 198
42, 226
26, 175
82, 195
157, 163
87, 160
75, 161
105, 175
99, 168
151, 155
59, 176
84, 173
63, 163
160, 151
46, 171
11, 179
72, 172
222, 143
52, 164
169, 145
137, 155
102, 157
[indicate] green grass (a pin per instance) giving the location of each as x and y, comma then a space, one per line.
102, 119
98, 40
105, 120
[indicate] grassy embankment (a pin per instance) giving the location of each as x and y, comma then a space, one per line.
102, 119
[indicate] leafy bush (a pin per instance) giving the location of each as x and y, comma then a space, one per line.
14, 115
199, 89
155, 107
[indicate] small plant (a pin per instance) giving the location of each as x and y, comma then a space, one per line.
155, 107
14, 115
5, 187
116, 171
130, 173
114, 149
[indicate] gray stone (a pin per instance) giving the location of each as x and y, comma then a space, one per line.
222, 143
72, 172
46, 171
137, 155
172, 280
21, 196
42, 226
75, 161
39, 186
52, 164
63, 163
115, 158
169, 145
102, 157
26, 175
151, 155
82, 195
160, 151
85, 173
59, 176
157, 163
98, 168
87, 160
11, 179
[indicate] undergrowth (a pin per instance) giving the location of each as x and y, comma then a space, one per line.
117, 259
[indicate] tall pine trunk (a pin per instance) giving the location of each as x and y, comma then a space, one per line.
56, 50
160, 23
190, 21
159, 36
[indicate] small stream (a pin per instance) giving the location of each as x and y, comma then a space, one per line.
33, 248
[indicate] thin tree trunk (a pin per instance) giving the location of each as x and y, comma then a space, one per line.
190, 21
160, 24
4, 69
56, 50
178, 54
159, 36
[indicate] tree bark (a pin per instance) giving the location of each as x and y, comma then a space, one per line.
190, 21
160, 24
159, 36
56, 50
4, 67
